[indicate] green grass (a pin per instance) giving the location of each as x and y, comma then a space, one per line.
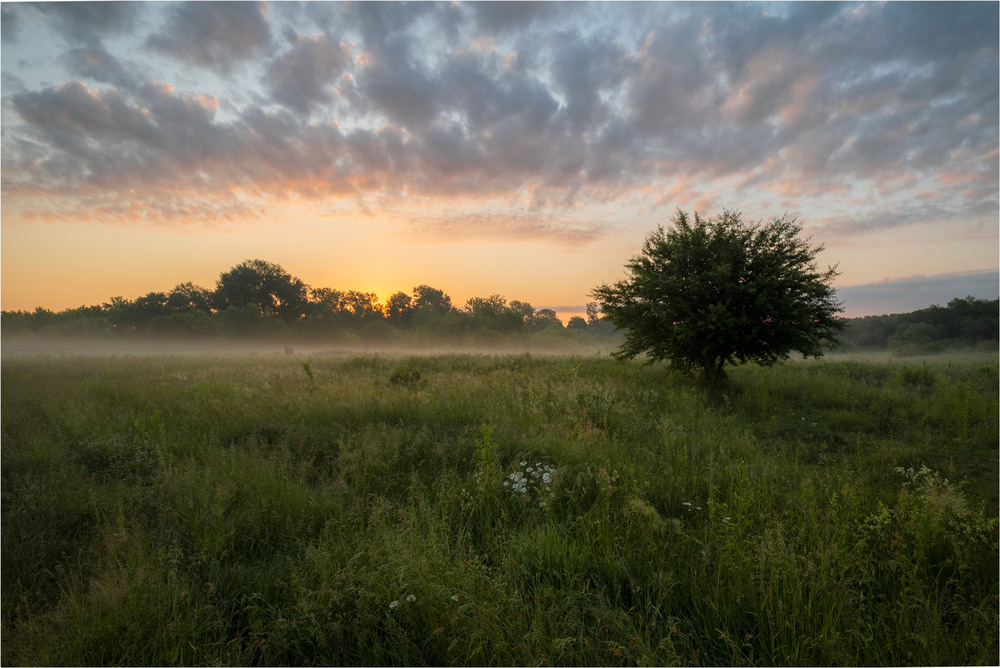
269, 510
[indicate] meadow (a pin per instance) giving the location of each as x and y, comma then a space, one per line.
454, 509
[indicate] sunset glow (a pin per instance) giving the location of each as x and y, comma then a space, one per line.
523, 149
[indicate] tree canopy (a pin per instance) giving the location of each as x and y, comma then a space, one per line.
711, 292
264, 286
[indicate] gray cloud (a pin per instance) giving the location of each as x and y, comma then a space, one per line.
902, 295
301, 78
509, 16
584, 68
95, 62
9, 23
673, 88
213, 35
554, 104
86, 22
399, 87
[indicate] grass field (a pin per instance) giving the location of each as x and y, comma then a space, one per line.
476, 509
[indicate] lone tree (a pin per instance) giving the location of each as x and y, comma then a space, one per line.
720, 291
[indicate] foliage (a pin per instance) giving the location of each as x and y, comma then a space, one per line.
543, 319
493, 313
308, 371
431, 300
405, 374
264, 285
399, 308
486, 461
720, 291
362, 306
189, 297
963, 322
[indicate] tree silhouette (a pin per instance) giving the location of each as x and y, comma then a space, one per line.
189, 297
493, 313
398, 308
264, 285
431, 300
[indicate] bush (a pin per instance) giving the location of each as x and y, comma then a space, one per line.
405, 375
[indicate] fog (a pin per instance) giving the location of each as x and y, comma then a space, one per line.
26, 345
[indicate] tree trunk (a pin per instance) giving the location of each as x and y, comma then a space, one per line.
712, 367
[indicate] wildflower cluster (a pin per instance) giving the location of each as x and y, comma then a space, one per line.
527, 480
410, 598
690, 506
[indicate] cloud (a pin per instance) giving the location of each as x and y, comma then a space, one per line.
398, 87
86, 22
495, 226
213, 35
74, 118
9, 23
589, 72
95, 62
550, 106
496, 17
902, 295
103, 139
301, 78
672, 88
921, 211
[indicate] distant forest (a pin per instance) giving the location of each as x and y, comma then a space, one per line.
260, 300
963, 323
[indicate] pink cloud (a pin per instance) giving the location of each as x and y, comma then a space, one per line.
798, 187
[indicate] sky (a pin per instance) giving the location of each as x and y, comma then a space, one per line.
523, 149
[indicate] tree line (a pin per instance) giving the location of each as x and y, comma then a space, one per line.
964, 322
260, 299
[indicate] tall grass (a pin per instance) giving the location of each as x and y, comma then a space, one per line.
352, 510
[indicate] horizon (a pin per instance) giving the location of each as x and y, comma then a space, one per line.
902, 295
521, 149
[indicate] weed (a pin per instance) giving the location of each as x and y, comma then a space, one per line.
487, 462
308, 371
405, 375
